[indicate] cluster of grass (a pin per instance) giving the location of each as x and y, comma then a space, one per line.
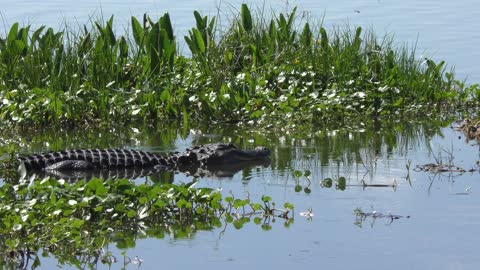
256, 69
73, 222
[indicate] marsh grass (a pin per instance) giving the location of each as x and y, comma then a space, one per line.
279, 68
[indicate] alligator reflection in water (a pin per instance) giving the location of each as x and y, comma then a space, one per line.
220, 160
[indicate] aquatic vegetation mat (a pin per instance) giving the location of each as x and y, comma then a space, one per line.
258, 69
75, 222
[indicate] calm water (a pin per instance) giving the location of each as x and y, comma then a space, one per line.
442, 232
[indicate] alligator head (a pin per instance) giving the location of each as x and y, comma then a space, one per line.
220, 159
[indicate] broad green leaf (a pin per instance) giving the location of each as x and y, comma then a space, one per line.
199, 20
12, 34
166, 25
246, 18
138, 32
199, 40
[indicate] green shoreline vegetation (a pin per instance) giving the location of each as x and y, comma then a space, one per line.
256, 71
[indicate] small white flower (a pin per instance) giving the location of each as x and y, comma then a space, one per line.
314, 95
383, 88
72, 202
241, 76
359, 94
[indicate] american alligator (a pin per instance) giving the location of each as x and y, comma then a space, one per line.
210, 159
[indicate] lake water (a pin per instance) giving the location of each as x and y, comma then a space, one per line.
441, 232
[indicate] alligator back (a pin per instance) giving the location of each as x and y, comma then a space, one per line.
98, 158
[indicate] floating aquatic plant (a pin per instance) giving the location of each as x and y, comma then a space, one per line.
75, 221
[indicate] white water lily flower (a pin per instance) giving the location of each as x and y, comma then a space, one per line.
193, 98
136, 111
241, 76
361, 94
31, 202
212, 96
383, 88
72, 202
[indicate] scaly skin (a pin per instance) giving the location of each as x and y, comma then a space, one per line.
225, 158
